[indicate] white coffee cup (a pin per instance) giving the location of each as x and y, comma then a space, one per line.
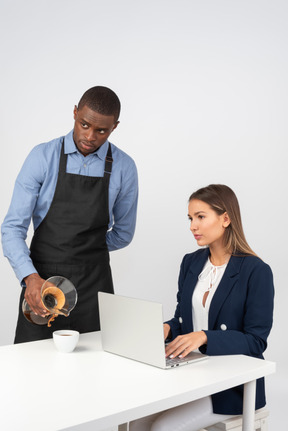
65, 340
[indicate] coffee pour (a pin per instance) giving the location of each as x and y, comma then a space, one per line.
59, 297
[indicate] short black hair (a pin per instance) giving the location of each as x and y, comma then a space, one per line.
102, 100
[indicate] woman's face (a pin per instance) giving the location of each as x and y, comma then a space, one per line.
206, 225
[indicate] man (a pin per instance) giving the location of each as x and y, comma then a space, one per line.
81, 192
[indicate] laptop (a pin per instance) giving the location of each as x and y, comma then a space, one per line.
133, 328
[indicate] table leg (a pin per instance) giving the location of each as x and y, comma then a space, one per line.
123, 427
249, 406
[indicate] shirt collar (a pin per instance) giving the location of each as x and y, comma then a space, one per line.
70, 147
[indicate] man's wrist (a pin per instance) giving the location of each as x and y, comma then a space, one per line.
34, 275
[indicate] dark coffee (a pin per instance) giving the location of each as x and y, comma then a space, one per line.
65, 335
49, 301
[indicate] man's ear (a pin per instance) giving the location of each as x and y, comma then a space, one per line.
75, 111
115, 125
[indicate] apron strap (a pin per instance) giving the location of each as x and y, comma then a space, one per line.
63, 160
108, 162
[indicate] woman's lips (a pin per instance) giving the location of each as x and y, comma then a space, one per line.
197, 237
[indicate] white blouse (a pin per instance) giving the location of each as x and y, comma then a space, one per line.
208, 281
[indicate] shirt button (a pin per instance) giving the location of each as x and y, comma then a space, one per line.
180, 320
223, 327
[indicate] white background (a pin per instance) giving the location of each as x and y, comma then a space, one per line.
203, 86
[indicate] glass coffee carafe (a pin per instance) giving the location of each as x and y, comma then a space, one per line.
59, 297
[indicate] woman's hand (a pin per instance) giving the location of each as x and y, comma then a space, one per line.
184, 344
167, 330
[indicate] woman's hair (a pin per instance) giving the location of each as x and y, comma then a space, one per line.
222, 199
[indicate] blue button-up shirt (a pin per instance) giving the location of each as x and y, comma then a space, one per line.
35, 187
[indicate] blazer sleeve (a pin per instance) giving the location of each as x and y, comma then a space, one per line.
249, 337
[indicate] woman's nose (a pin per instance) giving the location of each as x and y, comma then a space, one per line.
193, 226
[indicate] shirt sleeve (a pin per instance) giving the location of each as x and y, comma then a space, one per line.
124, 210
16, 223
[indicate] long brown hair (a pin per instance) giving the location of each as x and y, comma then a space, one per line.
222, 199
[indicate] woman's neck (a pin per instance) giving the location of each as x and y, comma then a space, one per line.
219, 256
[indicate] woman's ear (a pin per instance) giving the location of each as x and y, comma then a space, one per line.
226, 220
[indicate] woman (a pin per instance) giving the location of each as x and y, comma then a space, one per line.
225, 307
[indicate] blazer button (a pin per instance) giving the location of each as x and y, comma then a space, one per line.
223, 327
180, 320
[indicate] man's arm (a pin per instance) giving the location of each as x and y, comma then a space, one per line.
16, 223
124, 210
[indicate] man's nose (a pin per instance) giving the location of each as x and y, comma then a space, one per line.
90, 135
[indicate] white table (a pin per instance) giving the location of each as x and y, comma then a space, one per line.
44, 389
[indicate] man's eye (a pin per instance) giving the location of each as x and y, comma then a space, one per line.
101, 132
84, 125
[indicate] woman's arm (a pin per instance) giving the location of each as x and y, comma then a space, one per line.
251, 337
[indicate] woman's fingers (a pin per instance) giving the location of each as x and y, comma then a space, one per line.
178, 346
184, 344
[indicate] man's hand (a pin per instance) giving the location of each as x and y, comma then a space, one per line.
184, 344
33, 293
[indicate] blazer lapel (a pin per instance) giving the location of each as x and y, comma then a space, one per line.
227, 282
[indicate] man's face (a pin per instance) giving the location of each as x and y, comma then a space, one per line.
91, 129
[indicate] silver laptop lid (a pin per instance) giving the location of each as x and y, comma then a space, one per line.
132, 328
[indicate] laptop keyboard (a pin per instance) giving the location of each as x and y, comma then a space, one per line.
175, 361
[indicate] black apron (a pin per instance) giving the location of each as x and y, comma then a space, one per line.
71, 242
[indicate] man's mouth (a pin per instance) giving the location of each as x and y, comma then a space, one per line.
86, 144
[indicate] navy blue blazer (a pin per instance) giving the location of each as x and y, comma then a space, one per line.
240, 316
